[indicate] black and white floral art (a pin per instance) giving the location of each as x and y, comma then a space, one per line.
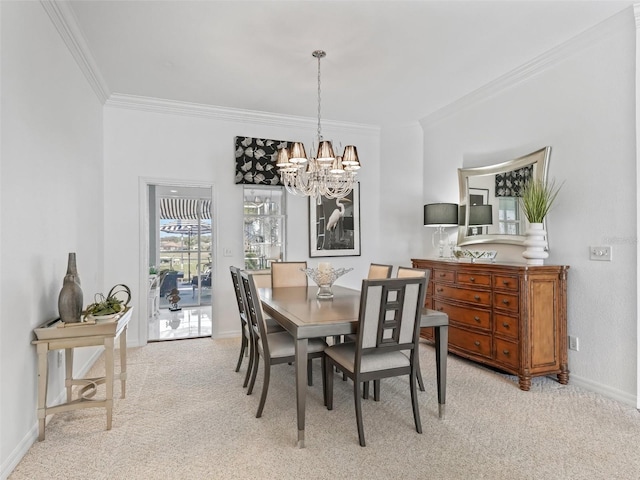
510, 184
256, 160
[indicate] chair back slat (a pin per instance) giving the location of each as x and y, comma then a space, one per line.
254, 311
235, 278
389, 316
288, 274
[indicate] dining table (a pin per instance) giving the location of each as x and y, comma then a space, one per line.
304, 316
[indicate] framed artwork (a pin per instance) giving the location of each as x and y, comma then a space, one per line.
334, 226
478, 196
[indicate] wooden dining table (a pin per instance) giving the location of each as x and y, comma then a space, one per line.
305, 316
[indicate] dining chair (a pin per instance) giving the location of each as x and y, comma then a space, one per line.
247, 343
378, 271
274, 348
288, 274
387, 341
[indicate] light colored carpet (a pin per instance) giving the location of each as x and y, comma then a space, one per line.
186, 416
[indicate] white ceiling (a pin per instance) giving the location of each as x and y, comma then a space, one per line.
387, 61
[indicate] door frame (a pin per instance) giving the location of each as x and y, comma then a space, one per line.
143, 209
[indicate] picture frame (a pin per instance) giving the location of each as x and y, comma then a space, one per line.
478, 196
334, 225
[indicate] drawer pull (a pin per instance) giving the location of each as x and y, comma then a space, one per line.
472, 279
476, 343
505, 352
476, 298
477, 319
505, 301
505, 324
439, 290
439, 309
505, 282
443, 274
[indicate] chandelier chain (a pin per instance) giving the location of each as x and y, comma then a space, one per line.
319, 56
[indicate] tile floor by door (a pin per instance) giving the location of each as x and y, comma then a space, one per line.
188, 322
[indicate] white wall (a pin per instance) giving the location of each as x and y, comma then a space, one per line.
582, 104
51, 201
200, 148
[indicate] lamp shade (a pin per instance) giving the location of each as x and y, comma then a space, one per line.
441, 214
478, 215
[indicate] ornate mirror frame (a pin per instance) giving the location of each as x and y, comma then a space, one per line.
540, 162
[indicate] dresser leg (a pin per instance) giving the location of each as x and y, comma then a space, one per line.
563, 376
524, 382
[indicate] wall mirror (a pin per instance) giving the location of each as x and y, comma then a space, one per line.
490, 209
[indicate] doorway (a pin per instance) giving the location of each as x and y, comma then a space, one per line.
180, 262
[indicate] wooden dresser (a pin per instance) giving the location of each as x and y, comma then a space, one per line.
509, 316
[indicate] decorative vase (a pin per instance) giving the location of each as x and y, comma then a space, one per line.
536, 244
324, 276
70, 298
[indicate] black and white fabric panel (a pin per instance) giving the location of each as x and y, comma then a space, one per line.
256, 160
184, 208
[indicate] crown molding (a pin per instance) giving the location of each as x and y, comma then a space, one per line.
536, 66
173, 107
65, 22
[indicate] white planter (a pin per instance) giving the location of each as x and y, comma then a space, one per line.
536, 244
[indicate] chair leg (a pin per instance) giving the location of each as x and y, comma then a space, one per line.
252, 359
324, 381
358, 405
419, 374
376, 390
365, 391
309, 373
243, 346
414, 402
254, 372
328, 383
265, 388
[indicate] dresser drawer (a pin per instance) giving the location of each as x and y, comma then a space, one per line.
443, 275
475, 297
504, 301
481, 279
473, 317
504, 282
472, 342
506, 352
505, 325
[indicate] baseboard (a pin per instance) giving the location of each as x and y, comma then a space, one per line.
604, 390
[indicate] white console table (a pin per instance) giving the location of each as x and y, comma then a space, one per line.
56, 335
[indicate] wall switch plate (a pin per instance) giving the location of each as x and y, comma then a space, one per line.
573, 343
227, 252
602, 253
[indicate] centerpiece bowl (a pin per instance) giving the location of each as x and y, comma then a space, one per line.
324, 278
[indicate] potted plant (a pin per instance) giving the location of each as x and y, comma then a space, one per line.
536, 200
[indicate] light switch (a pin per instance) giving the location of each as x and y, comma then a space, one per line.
227, 252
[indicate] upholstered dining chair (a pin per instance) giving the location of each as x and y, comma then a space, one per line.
378, 271
387, 341
288, 274
247, 342
274, 348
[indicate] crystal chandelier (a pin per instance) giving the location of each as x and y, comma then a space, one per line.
324, 175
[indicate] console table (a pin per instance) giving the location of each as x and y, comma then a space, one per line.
512, 317
56, 335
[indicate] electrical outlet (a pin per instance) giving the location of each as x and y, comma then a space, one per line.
60, 356
573, 343
602, 254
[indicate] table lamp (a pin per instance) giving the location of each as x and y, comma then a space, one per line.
440, 215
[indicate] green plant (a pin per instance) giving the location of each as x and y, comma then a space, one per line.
110, 304
537, 198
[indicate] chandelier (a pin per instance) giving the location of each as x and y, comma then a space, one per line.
323, 175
